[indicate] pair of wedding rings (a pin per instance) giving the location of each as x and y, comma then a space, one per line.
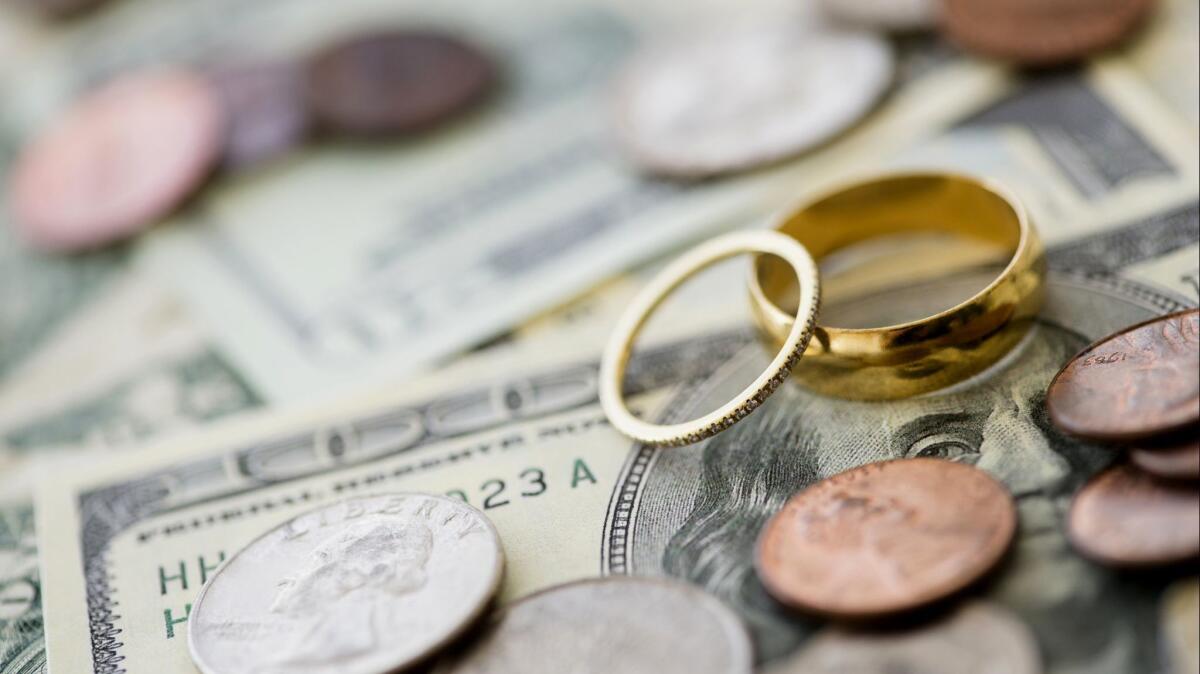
878, 363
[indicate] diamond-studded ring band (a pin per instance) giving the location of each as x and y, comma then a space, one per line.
620, 344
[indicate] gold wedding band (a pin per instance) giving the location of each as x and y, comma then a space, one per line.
911, 358
792, 344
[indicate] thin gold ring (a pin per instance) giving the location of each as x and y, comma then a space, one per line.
620, 344
924, 355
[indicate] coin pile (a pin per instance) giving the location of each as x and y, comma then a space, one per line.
1138, 389
138, 147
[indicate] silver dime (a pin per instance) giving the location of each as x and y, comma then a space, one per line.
613, 624
747, 96
365, 585
893, 15
978, 637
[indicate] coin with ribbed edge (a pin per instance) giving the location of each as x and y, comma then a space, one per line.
1141, 382
721, 101
885, 537
361, 586
396, 81
608, 625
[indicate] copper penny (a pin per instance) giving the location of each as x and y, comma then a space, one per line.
122, 157
1041, 32
1140, 382
1179, 462
265, 112
885, 537
395, 82
1125, 517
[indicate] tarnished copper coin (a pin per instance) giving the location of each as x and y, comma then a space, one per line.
1125, 517
265, 112
1041, 32
1177, 462
395, 82
122, 157
885, 537
1140, 382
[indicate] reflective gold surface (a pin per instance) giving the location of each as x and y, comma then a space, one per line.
908, 359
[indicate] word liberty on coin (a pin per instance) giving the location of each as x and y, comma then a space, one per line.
362, 586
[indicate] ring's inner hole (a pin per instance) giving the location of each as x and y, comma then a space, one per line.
906, 233
712, 302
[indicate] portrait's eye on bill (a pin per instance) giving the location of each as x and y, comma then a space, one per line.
599, 336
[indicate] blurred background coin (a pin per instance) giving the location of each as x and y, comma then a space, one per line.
1179, 461
733, 100
1181, 627
612, 624
1124, 517
978, 637
885, 537
121, 157
1137, 383
1041, 32
396, 81
361, 586
264, 108
888, 15
57, 9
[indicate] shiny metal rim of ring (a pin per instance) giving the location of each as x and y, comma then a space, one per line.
619, 349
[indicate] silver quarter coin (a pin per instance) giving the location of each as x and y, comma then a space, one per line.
891, 15
733, 100
613, 624
978, 637
365, 585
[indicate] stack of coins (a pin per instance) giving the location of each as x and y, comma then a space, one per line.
134, 150
1137, 391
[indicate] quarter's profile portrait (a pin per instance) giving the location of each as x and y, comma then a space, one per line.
337, 595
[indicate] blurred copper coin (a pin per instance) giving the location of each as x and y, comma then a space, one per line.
1179, 462
978, 637
1125, 517
1041, 32
885, 537
734, 99
1140, 382
122, 157
394, 82
265, 111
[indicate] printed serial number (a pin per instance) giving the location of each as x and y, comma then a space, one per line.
529, 483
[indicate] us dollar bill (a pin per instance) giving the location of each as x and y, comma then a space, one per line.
130, 366
22, 649
572, 498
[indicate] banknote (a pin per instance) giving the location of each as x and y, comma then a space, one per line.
131, 365
572, 498
22, 649
1165, 52
419, 267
